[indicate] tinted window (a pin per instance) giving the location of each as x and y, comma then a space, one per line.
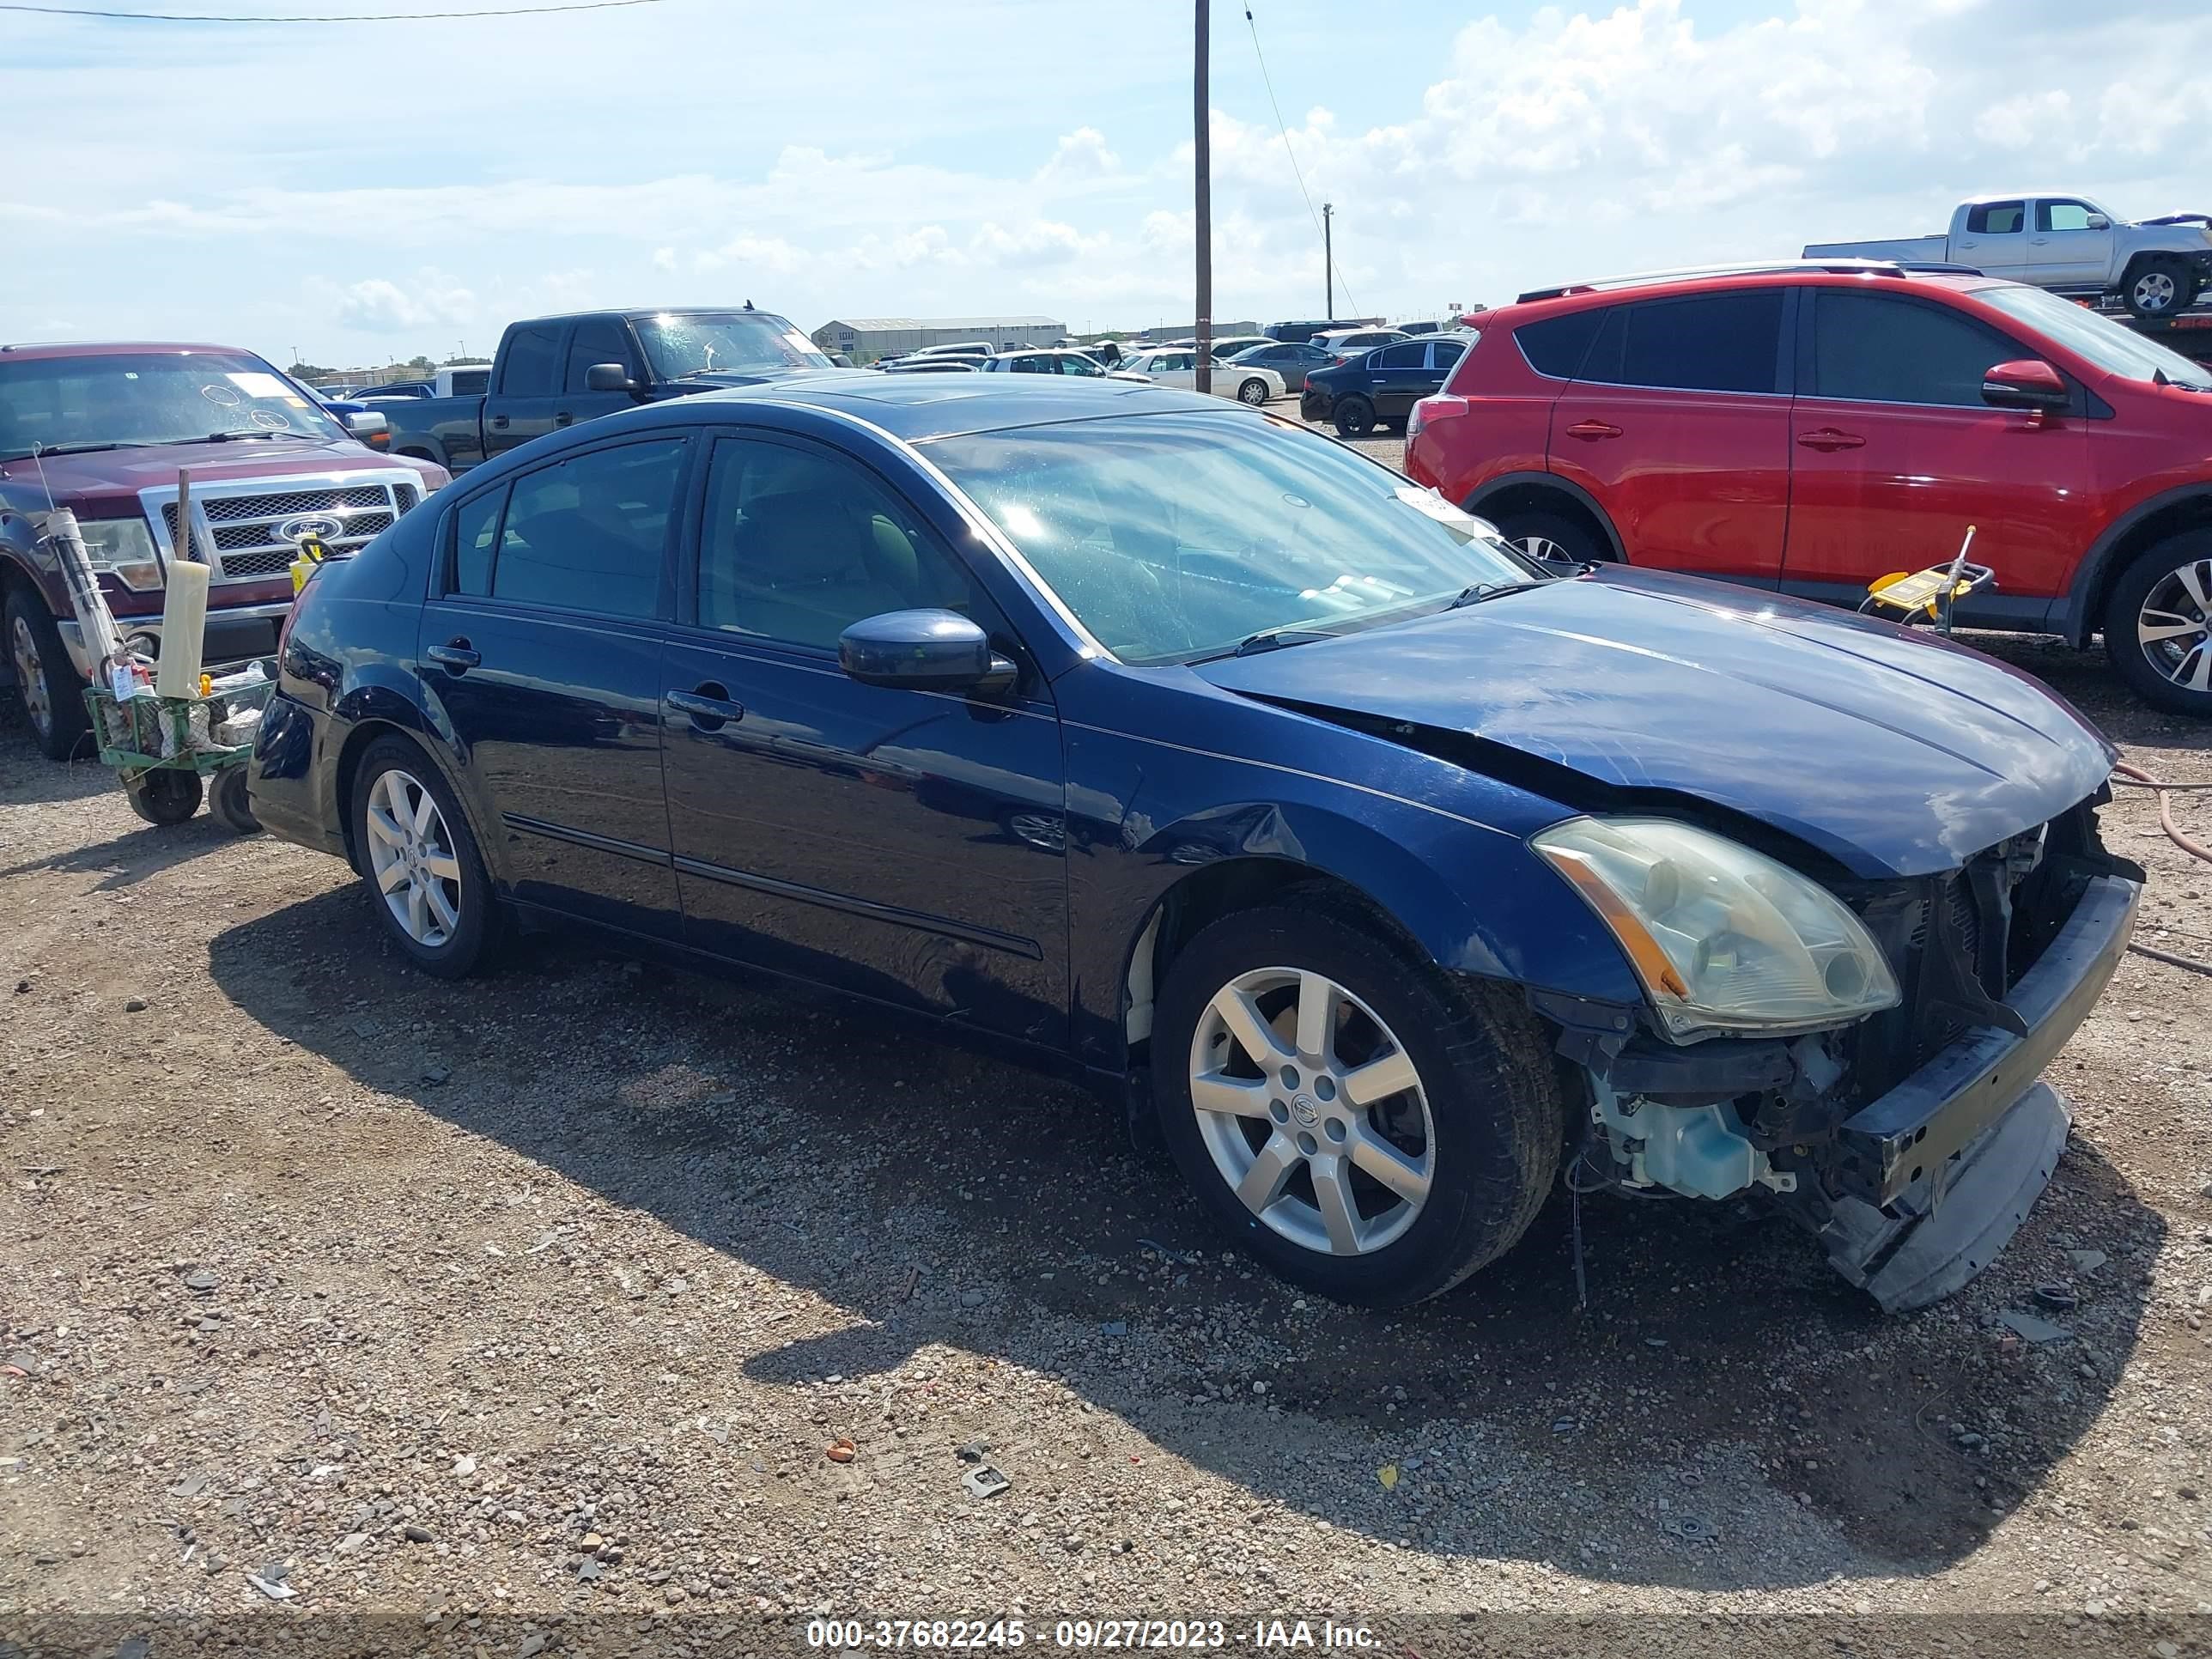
585, 533
532, 368
1878, 349
2062, 216
1443, 354
1073, 363
1029, 366
596, 340
474, 525
1997, 219
1399, 356
472, 383
1715, 343
798, 545
1558, 345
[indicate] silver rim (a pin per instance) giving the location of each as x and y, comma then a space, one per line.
1253, 392
2175, 625
1312, 1111
30, 678
1543, 547
410, 854
2154, 291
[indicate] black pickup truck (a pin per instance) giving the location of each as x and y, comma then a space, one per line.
552, 372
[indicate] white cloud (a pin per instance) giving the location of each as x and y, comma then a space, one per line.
376, 304
1080, 158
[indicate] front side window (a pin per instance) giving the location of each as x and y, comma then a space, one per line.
1175, 536
596, 340
587, 532
532, 365
132, 398
2063, 215
1874, 348
2115, 350
798, 545
1997, 219
1075, 362
1712, 343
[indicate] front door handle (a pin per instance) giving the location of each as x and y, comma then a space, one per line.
562, 418
1591, 431
709, 707
456, 654
500, 421
1827, 438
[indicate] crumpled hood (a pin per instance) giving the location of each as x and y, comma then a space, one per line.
1891, 751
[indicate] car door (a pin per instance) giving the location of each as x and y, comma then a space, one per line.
1174, 368
596, 340
527, 396
541, 646
2063, 250
1397, 377
1896, 454
1994, 238
909, 846
1679, 426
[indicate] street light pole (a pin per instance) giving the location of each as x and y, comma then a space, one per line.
1329, 258
1202, 150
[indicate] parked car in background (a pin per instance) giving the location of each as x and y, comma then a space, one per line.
552, 372
1292, 362
1394, 874
464, 381
103, 429
1430, 327
931, 366
390, 389
1812, 431
1080, 364
1379, 387
370, 426
1248, 384
1343, 344
1227, 346
1298, 333
2068, 244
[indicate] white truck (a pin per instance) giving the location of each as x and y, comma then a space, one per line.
2068, 244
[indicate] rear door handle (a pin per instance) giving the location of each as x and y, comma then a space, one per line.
1591, 431
455, 655
709, 707
499, 420
1827, 438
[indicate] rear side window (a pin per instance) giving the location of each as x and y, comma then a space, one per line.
1714, 342
1558, 345
1997, 219
1443, 354
475, 527
1398, 356
1873, 349
532, 368
586, 532
472, 383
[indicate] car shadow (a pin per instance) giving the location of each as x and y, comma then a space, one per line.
128, 859
29, 779
1720, 1379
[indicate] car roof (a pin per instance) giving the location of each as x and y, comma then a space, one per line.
1607, 291
46, 349
917, 408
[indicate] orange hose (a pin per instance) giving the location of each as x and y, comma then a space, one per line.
2123, 773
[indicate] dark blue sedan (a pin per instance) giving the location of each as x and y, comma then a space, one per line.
1400, 880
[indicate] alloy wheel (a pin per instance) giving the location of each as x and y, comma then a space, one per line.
410, 856
1253, 392
2175, 625
1543, 547
1312, 1110
30, 677
2155, 291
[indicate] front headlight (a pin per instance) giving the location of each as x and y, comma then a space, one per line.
1724, 938
123, 546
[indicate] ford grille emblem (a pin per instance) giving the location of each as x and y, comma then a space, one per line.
317, 526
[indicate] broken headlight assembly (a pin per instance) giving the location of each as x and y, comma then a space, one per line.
1724, 940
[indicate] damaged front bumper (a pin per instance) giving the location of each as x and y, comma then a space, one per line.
1938, 1174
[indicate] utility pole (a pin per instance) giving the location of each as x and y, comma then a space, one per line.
1202, 147
1328, 260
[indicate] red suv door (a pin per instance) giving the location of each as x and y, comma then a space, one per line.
1894, 453
1679, 424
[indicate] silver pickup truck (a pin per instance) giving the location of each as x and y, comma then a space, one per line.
2068, 244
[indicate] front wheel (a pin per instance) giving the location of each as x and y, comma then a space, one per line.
1355, 417
1554, 535
425, 873
2159, 287
45, 681
1371, 1129
2158, 624
1252, 392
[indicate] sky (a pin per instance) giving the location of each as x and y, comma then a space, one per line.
357, 192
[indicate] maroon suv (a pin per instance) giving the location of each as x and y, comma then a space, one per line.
104, 430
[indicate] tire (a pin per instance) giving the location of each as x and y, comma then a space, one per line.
450, 936
1478, 1134
2168, 590
1575, 543
1252, 393
2159, 287
45, 680
167, 796
228, 800
1355, 416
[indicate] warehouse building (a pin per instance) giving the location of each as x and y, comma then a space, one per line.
864, 339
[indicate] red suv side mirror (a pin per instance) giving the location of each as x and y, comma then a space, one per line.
2029, 383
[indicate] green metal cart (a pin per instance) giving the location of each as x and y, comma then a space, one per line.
167, 788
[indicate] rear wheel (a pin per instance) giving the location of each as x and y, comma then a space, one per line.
2158, 624
1543, 534
1355, 416
1368, 1127
228, 800
167, 796
45, 680
2159, 287
425, 877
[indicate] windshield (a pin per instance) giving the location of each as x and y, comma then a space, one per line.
724, 343
149, 397
2104, 342
1177, 536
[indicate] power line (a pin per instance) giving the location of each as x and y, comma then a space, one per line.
350, 17
1270, 82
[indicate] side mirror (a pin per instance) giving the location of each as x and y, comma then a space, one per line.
608, 377
2099, 221
923, 651
369, 425
2029, 383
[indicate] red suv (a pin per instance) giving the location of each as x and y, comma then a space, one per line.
1808, 428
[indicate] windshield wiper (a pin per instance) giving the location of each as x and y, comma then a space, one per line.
1267, 639
88, 448
1476, 593
257, 432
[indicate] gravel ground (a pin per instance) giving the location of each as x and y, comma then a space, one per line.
544, 1296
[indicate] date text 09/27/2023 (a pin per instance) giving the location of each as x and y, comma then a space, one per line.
849, 1634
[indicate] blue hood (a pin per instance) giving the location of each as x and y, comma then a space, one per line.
1889, 751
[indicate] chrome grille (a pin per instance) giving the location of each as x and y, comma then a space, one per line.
241, 520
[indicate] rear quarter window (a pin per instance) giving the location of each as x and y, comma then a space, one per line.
1557, 346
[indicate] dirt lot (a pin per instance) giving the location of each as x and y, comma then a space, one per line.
542, 1295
